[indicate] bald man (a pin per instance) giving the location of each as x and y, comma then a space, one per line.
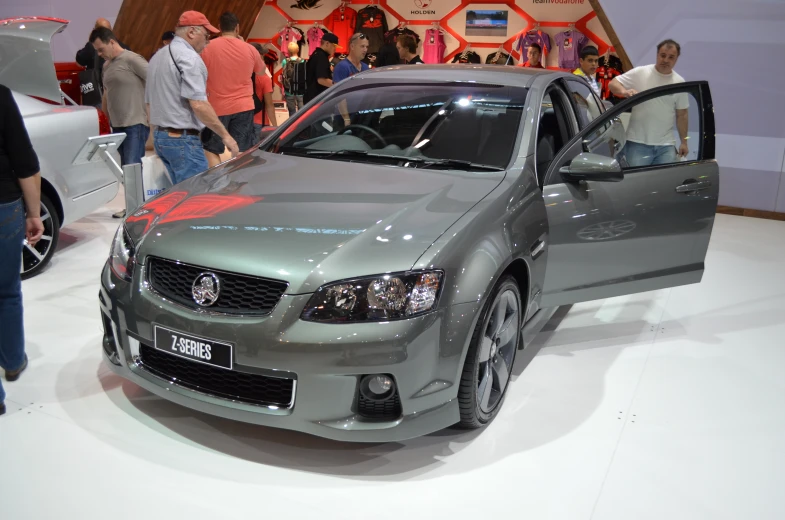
87, 57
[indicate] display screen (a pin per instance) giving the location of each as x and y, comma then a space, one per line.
486, 23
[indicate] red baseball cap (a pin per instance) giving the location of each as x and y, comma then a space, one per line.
195, 18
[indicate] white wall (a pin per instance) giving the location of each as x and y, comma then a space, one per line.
80, 13
739, 47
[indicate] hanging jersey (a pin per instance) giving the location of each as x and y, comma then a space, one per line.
525, 39
570, 44
433, 46
467, 57
341, 23
314, 35
392, 36
288, 35
499, 58
372, 22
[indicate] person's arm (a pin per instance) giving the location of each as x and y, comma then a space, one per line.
24, 164
683, 125
618, 89
269, 107
138, 66
323, 75
206, 114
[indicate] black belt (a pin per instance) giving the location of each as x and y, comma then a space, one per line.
186, 131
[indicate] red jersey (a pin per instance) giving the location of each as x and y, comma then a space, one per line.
342, 24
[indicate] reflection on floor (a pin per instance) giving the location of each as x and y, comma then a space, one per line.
661, 405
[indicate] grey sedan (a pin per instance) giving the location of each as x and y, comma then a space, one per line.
371, 270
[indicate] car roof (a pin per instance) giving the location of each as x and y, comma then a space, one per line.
493, 74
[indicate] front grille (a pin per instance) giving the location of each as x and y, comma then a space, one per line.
389, 409
227, 384
240, 294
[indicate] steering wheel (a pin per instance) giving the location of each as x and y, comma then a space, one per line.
365, 129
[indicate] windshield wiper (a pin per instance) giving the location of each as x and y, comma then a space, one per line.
457, 163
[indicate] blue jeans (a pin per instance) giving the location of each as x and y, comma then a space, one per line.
132, 149
12, 333
182, 155
638, 154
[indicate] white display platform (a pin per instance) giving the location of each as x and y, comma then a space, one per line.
662, 405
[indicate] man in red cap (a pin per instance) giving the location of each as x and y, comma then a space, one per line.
176, 97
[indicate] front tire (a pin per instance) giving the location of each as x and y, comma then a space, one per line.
35, 258
486, 373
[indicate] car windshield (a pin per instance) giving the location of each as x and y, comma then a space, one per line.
461, 126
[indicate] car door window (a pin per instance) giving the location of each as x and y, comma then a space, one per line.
553, 130
651, 138
584, 100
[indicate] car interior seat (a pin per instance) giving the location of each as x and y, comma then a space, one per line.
548, 138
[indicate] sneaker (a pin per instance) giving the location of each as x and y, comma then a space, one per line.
119, 214
2, 408
13, 376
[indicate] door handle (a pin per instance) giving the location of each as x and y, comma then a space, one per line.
691, 185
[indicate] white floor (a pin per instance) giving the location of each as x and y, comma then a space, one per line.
665, 405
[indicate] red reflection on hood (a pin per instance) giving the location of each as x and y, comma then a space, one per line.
208, 205
152, 210
171, 208
296, 124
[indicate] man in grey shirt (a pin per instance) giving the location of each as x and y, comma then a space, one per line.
176, 96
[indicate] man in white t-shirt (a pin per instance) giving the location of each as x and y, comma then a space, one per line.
650, 133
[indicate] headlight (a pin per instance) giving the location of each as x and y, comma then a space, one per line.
375, 298
121, 256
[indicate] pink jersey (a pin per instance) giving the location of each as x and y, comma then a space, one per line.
288, 35
314, 39
433, 46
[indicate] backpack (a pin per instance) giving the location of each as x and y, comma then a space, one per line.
294, 76
258, 104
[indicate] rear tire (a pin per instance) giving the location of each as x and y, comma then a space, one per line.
489, 362
35, 259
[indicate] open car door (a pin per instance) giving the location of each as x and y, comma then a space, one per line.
619, 224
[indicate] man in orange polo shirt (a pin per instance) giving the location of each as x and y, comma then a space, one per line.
230, 62
533, 53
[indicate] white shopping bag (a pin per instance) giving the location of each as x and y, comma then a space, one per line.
155, 178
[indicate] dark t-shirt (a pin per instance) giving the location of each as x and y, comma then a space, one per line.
17, 157
318, 68
372, 22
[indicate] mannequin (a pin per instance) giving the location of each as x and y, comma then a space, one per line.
293, 102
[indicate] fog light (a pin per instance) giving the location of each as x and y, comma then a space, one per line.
377, 387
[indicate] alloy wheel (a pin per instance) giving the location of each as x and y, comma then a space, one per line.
497, 351
34, 258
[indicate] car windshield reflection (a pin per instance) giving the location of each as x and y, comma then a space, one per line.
455, 126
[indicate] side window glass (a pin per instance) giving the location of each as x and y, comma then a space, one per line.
587, 109
660, 131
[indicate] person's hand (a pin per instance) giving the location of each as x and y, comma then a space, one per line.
684, 149
34, 229
629, 93
231, 145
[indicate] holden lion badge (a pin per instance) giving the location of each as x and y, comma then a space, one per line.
205, 289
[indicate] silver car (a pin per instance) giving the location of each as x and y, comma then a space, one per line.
371, 270
58, 131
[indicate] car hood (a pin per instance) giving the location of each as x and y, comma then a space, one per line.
306, 221
26, 63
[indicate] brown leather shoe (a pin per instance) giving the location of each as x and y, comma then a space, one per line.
13, 376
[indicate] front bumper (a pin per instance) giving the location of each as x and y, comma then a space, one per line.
424, 355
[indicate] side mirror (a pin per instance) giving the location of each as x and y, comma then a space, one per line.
593, 167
